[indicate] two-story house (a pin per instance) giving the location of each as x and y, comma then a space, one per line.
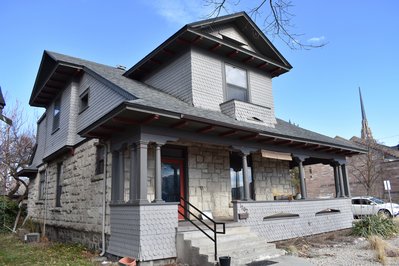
123, 158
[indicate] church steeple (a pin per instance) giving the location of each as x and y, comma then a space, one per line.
366, 131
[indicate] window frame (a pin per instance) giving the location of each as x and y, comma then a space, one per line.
228, 86
85, 94
56, 116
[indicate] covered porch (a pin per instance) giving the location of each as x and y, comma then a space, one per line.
234, 173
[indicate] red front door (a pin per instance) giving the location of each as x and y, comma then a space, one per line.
173, 183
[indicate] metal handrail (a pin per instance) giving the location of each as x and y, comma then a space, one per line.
215, 224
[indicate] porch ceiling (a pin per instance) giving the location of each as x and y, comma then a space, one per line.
124, 118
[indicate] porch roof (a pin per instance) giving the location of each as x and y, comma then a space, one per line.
154, 106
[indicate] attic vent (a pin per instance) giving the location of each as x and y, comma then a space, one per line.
254, 118
121, 67
233, 41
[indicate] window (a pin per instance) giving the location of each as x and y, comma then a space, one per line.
58, 185
56, 114
84, 101
236, 177
42, 183
100, 159
236, 83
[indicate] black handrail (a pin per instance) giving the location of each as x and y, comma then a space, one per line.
214, 229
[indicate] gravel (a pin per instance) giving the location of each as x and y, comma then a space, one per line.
339, 249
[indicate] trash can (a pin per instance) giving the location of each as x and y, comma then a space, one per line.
224, 261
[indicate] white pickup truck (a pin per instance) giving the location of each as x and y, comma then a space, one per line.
364, 206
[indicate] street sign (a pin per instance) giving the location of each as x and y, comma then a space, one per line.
387, 185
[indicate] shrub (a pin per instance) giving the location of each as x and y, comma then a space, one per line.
375, 225
8, 213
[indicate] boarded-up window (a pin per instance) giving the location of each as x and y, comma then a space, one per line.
58, 191
42, 184
56, 114
100, 159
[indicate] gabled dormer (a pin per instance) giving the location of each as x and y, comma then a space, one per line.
224, 64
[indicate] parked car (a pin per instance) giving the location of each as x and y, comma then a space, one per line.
363, 206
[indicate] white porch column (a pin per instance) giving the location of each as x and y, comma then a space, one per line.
341, 181
245, 177
346, 181
300, 159
158, 177
336, 180
141, 171
121, 176
132, 177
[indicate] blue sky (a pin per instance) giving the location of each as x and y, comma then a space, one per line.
320, 93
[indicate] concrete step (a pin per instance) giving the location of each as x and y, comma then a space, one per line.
242, 245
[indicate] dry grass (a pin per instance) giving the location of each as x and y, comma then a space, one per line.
379, 246
292, 250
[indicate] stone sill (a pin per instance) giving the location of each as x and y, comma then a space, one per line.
122, 204
96, 178
40, 202
56, 209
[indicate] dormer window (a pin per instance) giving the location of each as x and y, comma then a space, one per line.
84, 101
56, 114
236, 83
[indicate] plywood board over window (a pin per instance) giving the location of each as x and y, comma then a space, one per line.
276, 155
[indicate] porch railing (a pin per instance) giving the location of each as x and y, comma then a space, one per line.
212, 228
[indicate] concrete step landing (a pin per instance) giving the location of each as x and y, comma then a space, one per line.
239, 242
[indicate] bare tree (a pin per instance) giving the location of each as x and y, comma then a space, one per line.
367, 168
276, 18
17, 144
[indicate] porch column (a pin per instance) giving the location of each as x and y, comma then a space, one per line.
302, 178
346, 181
121, 176
158, 177
245, 176
115, 177
341, 182
336, 180
132, 177
141, 172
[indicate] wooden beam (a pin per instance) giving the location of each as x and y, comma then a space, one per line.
180, 124
168, 51
156, 61
262, 65
323, 149
149, 119
248, 59
99, 135
284, 142
232, 54
228, 133
205, 129
197, 39
274, 72
183, 41
250, 137
298, 144
268, 140
216, 46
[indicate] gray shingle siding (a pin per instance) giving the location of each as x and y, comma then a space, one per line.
40, 142
207, 83
56, 139
102, 99
174, 79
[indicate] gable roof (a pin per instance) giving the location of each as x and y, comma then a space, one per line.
268, 58
390, 151
143, 97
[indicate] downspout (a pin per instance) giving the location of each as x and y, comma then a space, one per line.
104, 200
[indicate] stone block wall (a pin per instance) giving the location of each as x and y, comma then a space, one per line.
81, 197
209, 185
271, 178
307, 222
